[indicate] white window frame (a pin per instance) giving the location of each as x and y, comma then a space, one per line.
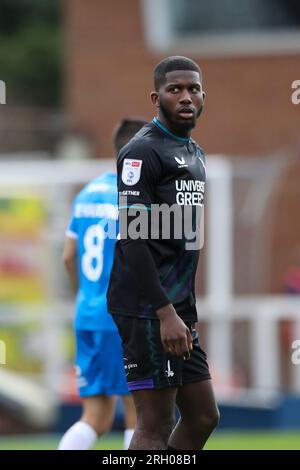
161, 39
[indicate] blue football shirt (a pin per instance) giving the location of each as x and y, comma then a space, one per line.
94, 223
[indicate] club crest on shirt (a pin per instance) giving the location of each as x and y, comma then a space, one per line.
131, 171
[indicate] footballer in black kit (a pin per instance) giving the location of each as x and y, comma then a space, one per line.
168, 170
151, 295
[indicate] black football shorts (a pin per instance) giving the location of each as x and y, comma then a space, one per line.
148, 366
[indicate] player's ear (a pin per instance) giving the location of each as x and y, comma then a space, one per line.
203, 96
154, 98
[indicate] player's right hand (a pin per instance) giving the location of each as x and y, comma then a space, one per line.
175, 335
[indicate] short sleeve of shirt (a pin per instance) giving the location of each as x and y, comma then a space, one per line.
139, 171
72, 230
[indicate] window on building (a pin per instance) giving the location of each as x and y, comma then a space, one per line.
223, 26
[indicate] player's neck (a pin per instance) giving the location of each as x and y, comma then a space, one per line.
164, 125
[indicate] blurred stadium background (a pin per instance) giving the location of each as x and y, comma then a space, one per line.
72, 69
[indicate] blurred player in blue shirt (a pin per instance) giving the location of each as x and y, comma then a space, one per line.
88, 257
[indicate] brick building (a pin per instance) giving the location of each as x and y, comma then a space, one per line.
248, 109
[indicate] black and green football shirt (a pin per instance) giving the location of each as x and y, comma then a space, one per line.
161, 180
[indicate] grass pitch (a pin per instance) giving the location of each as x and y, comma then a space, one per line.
221, 440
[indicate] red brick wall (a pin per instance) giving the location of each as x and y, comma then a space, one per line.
108, 67
109, 75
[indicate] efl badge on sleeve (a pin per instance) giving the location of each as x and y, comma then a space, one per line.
131, 172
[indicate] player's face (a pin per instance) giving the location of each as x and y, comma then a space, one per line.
180, 100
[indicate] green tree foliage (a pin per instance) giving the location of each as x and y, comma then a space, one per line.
31, 51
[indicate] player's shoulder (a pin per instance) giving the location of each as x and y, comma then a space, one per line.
199, 150
193, 141
103, 184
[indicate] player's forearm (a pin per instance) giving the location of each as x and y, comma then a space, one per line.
142, 266
73, 279
71, 268
165, 312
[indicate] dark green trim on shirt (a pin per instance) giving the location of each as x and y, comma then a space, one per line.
164, 129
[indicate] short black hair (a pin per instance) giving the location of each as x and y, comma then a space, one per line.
170, 64
125, 130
